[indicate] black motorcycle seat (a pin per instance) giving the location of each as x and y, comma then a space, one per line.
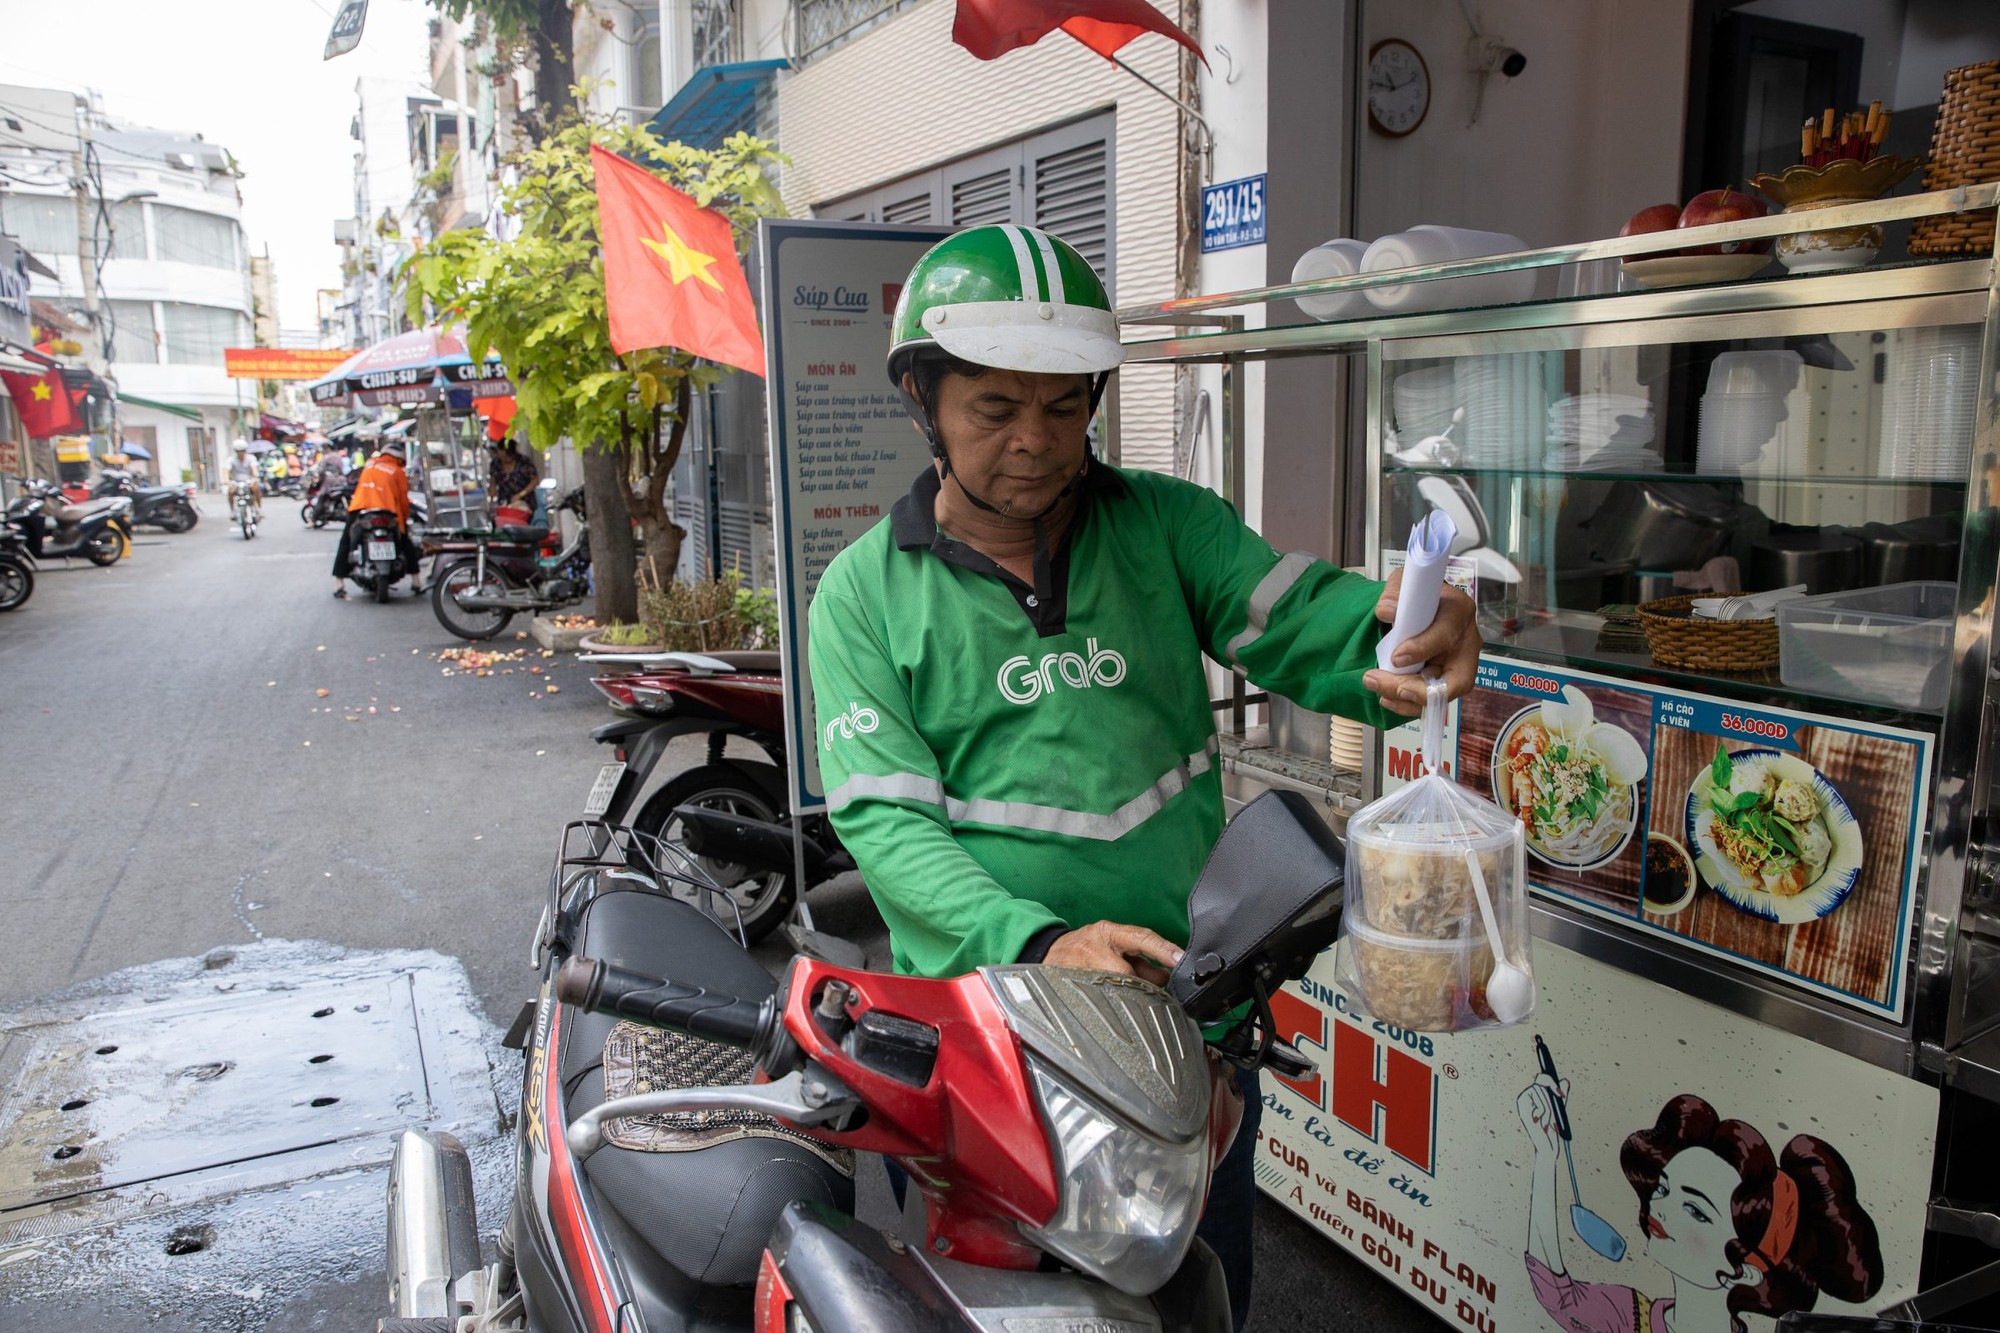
752, 662
704, 1213
72, 513
526, 536
155, 492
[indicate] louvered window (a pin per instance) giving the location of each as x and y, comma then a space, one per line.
1073, 200
908, 212
980, 200
1059, 180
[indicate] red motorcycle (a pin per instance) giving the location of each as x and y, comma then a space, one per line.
733, 812
1060, 1126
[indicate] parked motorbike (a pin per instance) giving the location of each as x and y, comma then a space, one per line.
731, 811
327, 503
97, 530
1061, 1126
169, 507
375, 560
17, 568
481, 578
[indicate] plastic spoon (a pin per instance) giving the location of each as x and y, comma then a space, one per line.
1510, 992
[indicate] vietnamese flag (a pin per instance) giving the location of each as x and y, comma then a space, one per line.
44, 402
991, 28
670, 273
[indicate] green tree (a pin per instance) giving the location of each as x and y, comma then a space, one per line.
540, 34
538, 299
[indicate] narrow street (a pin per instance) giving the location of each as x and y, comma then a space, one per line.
195, 804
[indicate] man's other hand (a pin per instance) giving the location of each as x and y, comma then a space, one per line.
1106, 946
1450, 648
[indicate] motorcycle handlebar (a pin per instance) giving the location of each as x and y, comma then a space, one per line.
657, 1002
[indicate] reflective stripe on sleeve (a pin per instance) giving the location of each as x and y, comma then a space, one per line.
887, 787
1270, 588
1023, 814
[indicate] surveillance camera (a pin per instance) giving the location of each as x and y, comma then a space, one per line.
1484, 55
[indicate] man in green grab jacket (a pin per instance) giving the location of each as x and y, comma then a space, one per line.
1013, 713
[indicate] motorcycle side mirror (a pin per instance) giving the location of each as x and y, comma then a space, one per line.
1266, 905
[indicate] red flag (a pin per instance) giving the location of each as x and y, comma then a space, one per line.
991, 28
670, 273
44, 402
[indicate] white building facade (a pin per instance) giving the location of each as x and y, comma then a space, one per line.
163, 217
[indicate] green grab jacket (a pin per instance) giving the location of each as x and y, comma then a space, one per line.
1000, 764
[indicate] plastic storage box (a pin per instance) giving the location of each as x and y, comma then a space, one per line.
1889, 645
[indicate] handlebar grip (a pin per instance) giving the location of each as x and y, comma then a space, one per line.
658, 1002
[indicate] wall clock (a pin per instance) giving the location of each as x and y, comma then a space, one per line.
1399, 87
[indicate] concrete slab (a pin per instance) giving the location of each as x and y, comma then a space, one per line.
207, 1135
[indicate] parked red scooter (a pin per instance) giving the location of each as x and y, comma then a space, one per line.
1060, 1126
733, 812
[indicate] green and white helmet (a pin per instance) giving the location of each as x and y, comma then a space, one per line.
1010, 297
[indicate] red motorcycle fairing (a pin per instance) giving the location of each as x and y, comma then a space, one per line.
971, 1137
758, 700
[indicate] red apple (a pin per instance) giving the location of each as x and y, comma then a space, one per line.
1659, 217
1724, 205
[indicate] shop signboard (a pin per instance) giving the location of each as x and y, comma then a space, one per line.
282, 363
1232, 214
15, 322
1781, 841
842, 447
1440, 1160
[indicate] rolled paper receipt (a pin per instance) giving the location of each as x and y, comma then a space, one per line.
1423, 584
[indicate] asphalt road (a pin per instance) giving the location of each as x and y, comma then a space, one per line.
208, 750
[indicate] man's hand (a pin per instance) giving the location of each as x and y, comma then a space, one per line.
1450, 647
1106, 946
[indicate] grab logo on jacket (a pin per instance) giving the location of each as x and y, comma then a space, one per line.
1022, 680
856, 721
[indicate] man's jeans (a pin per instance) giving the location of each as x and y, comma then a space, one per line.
1230, 1221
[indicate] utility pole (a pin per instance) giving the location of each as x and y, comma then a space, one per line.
86, 244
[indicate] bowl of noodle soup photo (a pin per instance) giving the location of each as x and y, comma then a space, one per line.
1773, 836
1572, 780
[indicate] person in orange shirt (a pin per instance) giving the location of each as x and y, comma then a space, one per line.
381, 485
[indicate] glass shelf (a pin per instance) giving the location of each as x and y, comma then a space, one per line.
1707, 479
1569, 638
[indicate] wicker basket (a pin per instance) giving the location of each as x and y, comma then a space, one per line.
1677, 639
1965, 150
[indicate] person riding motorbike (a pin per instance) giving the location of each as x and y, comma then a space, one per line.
243, 472
1055, 802
382, 485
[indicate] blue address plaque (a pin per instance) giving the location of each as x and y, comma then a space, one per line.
1233, 214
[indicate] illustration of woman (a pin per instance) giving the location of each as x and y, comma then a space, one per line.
1739, 1230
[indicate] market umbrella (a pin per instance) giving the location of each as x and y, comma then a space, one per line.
131, 450
411, 369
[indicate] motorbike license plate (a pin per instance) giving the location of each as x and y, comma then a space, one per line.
601, 790
381, 550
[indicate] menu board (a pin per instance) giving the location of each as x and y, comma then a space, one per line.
1785, 842
843, 450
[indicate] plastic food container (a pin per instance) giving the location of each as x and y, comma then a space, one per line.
1889, 645
1423, 985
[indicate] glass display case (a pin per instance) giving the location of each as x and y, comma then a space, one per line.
1751, 525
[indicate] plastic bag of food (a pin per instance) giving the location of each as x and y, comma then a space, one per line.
1434, 935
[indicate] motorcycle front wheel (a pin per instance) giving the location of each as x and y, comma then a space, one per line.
462, 580
17, 583
763, 900
104, 549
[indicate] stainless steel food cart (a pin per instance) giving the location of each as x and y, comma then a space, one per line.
1840, 1027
